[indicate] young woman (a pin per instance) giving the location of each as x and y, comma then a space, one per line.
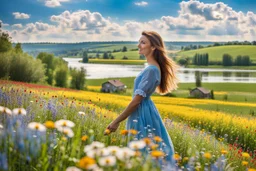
159, 75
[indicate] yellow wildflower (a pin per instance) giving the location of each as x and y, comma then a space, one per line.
244, 163
224, 152
107, 132
207, 155
157, 153
49, 124
176, 157
246, 155
86, 163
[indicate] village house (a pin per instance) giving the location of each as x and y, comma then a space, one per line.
200, 92
113, 86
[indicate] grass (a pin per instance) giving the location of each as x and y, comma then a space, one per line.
111, 47
216, 53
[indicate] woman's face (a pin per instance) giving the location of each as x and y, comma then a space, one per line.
145, 47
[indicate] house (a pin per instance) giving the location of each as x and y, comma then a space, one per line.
200, 92
113, 86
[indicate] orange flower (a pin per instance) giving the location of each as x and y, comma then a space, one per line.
154, 146
157, 153
133, 131
207, 155
147, 140
107, 132
124, 132
86, 163
84, 138
251, 169
157, 139
176, 157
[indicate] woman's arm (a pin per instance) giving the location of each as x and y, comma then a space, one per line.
128, 110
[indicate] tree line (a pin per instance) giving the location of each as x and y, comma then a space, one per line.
45, 68
227, 60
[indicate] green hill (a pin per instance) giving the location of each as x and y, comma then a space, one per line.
216, 53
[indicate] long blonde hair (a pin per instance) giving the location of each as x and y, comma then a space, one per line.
168, 67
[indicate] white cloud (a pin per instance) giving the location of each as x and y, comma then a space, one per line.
54, 3
18, 26
18, 15
142, 3
196, 21
3, 24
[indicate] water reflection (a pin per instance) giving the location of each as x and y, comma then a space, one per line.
95, 71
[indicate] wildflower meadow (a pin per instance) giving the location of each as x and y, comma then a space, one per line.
46, 128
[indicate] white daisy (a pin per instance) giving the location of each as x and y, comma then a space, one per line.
37, 126
19, 111
103, 152
136, 145
67, 131
94, 145
113, 149
107, 161
124, 153
92, 153
64, 123
1, 126
5, 110
73, 168
81, 113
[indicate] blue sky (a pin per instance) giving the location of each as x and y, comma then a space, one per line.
102, 20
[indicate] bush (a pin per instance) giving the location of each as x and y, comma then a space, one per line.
61, 76
78, 78
21, 67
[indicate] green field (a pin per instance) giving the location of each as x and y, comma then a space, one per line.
237, 92
111, 47
216, 53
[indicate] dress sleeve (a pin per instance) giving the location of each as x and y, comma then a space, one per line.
148, 83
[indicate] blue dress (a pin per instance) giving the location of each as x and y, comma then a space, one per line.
146, 118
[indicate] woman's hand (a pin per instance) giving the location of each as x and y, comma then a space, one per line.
112, 127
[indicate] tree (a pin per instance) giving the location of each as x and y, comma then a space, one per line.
18, 48
125, 57
198, 76
5, 40
124, 49
212, 94
97, 55
105, 55
85, 57
61, 76
78, 78
47, 59
227, 60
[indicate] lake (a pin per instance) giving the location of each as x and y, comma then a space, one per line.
186, 75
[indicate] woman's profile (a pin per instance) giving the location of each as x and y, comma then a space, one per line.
159, 76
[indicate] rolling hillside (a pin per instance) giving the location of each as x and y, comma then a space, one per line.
216, 53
